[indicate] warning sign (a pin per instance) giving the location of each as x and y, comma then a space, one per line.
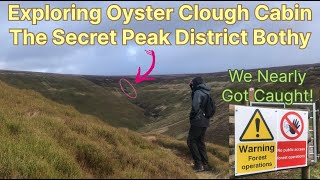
257, 129
256, 157
269, 139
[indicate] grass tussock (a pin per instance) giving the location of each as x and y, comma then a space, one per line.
43, 139
218, 155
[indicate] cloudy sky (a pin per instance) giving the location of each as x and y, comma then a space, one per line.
125, 60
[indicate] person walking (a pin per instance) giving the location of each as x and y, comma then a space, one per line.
199, 122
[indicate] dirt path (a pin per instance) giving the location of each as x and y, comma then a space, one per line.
164, 128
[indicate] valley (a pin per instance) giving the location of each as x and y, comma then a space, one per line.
85, 127
161, 106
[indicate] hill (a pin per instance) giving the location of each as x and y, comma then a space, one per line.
43, 139
166, 101
58, 126
162, 106
86, 96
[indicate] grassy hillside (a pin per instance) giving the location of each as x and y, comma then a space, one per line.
172, 102
85, 96
166, 102
43, 139
162, 106
169, 98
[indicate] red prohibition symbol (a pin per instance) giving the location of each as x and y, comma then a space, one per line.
297, 132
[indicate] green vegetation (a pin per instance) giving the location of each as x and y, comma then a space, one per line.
56, 126
315, 171
218, 155
87, 97
43, 139
162, 106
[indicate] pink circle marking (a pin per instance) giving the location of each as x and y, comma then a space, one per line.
134, 90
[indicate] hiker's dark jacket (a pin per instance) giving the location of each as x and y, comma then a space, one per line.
199, 96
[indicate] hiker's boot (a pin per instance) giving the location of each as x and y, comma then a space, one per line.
198, 168
207, 167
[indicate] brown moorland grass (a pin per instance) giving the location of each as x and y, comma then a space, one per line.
44, 139
218, 155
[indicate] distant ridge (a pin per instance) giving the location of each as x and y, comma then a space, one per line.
160, 75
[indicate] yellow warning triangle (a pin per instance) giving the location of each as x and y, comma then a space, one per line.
257, 129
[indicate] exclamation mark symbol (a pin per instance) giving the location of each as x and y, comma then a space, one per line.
257, 126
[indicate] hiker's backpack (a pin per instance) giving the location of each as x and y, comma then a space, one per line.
209, 107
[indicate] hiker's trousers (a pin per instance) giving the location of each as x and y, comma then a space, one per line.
197, 145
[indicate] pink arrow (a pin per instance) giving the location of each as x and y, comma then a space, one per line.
144, 77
